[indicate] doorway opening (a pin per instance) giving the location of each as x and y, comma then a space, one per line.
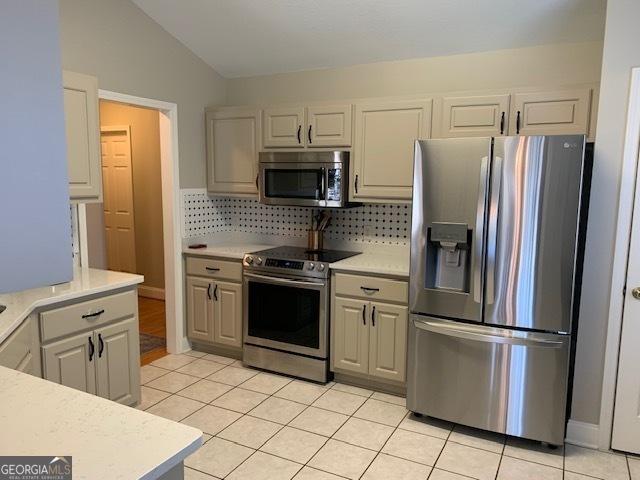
125, 232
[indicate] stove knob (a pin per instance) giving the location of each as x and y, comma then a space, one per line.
249, 260
259, 261
311, 266
321, 267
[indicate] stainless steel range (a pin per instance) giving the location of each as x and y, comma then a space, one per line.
286, 310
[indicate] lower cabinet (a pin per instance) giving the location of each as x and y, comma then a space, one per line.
21, 350
70, 362
214, 311
370, 338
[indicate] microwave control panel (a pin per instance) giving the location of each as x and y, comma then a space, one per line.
334, 184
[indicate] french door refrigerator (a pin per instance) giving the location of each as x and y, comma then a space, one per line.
494, 240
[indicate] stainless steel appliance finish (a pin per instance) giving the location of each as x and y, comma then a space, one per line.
515, 269
286, 310
310, 179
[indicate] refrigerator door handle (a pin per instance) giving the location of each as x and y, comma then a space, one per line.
479, 231
472, 333
492, 237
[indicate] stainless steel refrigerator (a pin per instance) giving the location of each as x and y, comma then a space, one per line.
494, 245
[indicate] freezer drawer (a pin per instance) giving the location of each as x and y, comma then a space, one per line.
496, 379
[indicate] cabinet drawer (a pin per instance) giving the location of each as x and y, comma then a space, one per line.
16, 350
80, 316
209, 267
374, 288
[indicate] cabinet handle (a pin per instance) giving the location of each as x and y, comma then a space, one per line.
212, 269
92, 349
299, 130
209, 291
309, 134
364, 314
356, 183
502, 124
215, 293
373, 316
518, 122
369, 289
94, 314
101, 347
257, 177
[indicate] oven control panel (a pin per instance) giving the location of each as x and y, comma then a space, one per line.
282, 265
279, 263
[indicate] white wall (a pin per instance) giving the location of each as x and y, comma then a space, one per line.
35, 228
621, 53
536, 66
129, 53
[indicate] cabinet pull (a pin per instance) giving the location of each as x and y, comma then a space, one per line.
215, 293
257, 177
212, 269
373, 316
518, 122
502, 124
369, 289
92, 349
94, 314
356, 183
309, 134
101, 347
209, 291
299, 130
364, 314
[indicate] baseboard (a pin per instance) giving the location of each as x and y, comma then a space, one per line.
582, 434
151, 292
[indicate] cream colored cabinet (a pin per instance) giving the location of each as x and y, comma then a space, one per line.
199, 310
388, 341
329, 126
227, 319
385, 135
232, 150
283, 127
70, 362
551, 112
82, 128
471, 116
118, 361
350, 335
20, 351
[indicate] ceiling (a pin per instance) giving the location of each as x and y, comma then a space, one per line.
254, 37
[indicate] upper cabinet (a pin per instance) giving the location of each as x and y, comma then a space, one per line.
551, 112
472, 116
83, 136
307, 127
232, 150
384, 144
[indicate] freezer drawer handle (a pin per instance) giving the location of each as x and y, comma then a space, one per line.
461, 331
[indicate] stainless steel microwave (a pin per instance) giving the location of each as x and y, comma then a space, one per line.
308, 179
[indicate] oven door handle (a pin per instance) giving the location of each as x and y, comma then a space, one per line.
285, 281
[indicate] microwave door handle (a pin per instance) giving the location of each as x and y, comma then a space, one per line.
492, 235
478, 239
323, 183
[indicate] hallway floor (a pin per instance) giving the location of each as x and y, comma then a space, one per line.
260, 425
152, 321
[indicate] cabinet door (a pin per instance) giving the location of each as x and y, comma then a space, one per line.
227, 318
118, 362
384, 145
351, 335
70, 362
199, 309
388, 341
232, 150
329, 126
477, 116
83, 136
282, 127
551, 113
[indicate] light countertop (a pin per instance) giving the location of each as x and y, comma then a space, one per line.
381, 263
105, 439
86, 281
230, 250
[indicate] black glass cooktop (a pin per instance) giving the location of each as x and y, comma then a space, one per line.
301, 253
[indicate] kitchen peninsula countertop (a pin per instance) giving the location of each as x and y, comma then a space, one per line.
104, 438
86, 281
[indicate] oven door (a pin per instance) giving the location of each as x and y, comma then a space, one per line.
293, 184
286, 314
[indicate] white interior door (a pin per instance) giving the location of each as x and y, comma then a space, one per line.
626, 422
118, 198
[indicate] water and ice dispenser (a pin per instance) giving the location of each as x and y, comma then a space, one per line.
448, 259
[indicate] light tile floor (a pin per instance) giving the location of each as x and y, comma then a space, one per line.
259, 425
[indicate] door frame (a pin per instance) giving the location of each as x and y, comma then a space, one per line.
629, 183
172, 231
